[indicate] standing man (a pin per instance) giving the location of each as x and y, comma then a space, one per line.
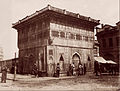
35, 70
70, 70
58, 69
80, 69
4, 74
84, 69
73, 67
96, 68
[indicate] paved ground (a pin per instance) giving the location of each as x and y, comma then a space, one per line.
86, 82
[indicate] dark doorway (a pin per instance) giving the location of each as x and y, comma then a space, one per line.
61, 62
76, 60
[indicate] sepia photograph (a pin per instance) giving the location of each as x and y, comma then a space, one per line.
52, 45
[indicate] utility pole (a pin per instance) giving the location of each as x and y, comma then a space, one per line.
15, 69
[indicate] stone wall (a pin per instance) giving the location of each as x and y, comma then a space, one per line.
54, 54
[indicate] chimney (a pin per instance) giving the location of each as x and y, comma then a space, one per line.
102, 25
49, 6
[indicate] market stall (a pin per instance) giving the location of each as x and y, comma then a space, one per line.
105, 66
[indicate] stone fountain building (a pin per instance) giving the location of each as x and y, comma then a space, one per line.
52, 36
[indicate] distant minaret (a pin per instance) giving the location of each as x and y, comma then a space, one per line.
1, 54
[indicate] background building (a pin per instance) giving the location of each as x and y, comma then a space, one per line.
108, 37
1, 54
96, 48
1, 57
52, 36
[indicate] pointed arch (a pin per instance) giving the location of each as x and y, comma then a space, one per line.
76, 53
61, 58
76, 59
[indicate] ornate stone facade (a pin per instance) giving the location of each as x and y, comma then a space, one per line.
52, 36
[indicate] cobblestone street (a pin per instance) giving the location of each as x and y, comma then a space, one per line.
87, 82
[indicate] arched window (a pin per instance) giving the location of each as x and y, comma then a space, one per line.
89, 58
68, 35
61, 58
62, 34
55, 33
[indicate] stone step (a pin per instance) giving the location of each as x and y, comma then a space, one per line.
63, 74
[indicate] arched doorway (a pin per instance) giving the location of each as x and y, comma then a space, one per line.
61, 62
88, 63
76, 60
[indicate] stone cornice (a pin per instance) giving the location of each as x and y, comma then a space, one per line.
60, 11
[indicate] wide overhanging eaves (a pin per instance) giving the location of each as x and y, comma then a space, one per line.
61, 11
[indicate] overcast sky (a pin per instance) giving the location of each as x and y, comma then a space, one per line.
107, 11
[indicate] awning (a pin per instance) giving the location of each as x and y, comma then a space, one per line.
111, 62
100, 59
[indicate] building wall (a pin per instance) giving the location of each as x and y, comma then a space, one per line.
96, 48
55, 52
75, 37
109, 51
32, 39
69, 40
34, 34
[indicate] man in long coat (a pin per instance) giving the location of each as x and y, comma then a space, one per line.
96, 68
58, 70
35, 70
4, 74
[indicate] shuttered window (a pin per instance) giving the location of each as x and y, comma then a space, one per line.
77, 37
55, 33
62, 34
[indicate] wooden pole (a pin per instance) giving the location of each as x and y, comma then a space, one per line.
15, 69
39, 62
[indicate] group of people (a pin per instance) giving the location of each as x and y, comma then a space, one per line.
72, 71
80, 70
